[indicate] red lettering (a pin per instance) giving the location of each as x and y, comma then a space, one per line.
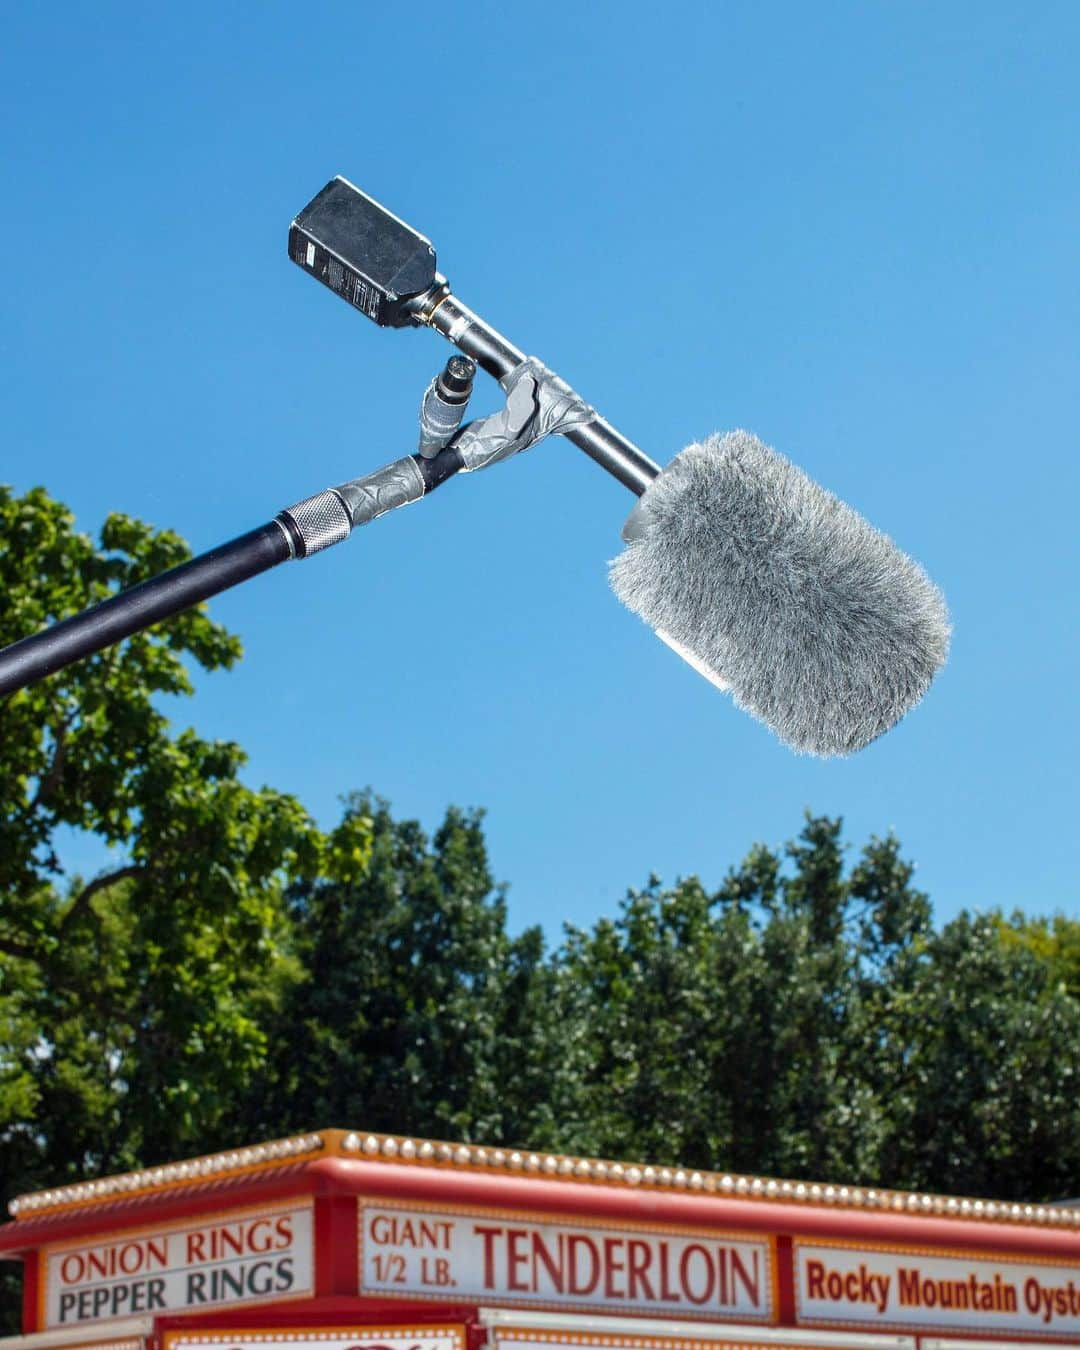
107, 1263
667, 1294
741, 1275
95, 1265
196, 1247
684, 1274
284, 1230
543, 1255
131, 1258
72, 1268
516, 1257
639, 1255
574, 1243
721, 1269
489, 1235
612, 1267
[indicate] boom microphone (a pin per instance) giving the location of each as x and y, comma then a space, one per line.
772, 588
766, 583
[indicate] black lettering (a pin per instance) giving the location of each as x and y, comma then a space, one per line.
243, 1280
228, 1283
258, 1283
67, 1302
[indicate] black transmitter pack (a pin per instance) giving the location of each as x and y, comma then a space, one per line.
362, 252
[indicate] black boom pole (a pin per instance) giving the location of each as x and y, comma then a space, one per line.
297, 532
148, 603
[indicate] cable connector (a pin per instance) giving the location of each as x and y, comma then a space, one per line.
315, 523
443, 405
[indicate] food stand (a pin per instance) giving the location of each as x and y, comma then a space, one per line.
343, 1241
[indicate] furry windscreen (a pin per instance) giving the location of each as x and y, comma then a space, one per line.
771, 587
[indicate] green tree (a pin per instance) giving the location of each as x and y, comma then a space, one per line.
979, 1063
652, 1004
1055, 942
732, 1029
807, 1021
417, 1011
132, 1001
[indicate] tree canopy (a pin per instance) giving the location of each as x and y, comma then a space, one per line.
233, 972
133, 1001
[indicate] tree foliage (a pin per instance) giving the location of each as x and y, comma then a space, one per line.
807, 1020
133, 1001
417, 1011
233, 973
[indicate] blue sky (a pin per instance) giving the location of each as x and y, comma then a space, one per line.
850, 228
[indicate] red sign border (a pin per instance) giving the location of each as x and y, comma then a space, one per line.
285, 1335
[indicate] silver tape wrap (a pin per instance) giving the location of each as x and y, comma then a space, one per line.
386, 489
438, 420
321, 521
538, 404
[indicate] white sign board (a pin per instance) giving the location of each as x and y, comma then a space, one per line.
203, 1263
505, 1258
121, 1343
868, 1286
313, 1338
727, 1337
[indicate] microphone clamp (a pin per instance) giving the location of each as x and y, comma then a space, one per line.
538, 404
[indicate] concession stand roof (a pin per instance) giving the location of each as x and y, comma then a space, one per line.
338, 1240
